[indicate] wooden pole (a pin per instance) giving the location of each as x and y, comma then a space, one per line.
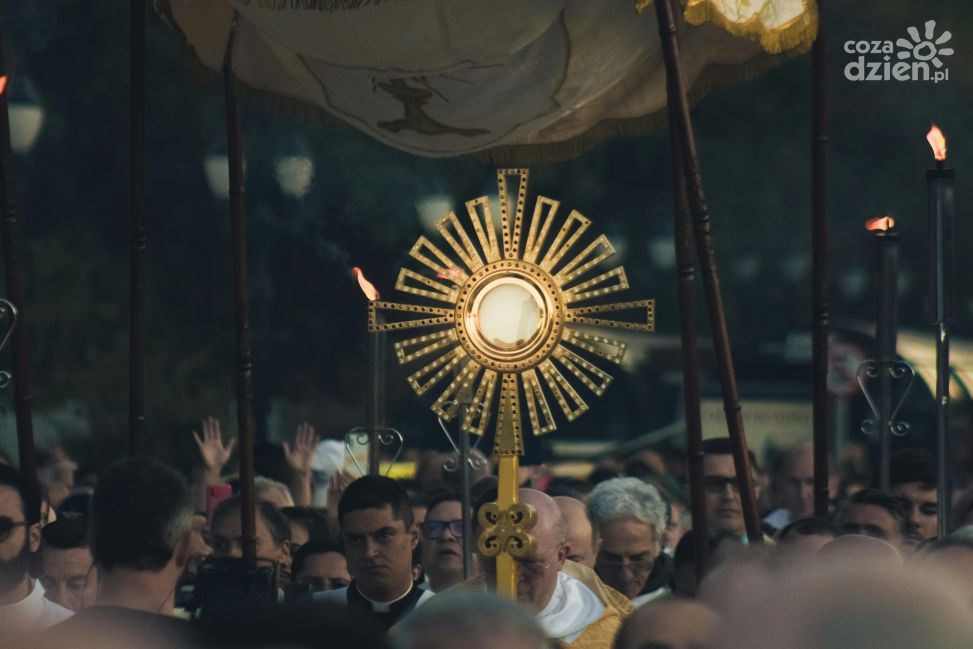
241, 309
16, 291
707, 262
137, 337
941, 228
686, 293
466, 500
375, 394
819, 271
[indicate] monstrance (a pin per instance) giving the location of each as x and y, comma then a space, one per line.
519, 314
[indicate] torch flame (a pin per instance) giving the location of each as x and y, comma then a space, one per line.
367, 287
937, 141
3, 84
883, 223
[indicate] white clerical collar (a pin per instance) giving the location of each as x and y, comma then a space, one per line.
384, 607
572, 608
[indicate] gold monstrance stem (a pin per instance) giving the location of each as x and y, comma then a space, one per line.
507, 479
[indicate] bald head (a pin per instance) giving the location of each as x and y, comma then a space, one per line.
672, 623
537, 573
550, 528
845, 605
580, 536
795, 482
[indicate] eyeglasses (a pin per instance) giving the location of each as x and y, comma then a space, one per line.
435, 529
613, 564
715, 484
7, 526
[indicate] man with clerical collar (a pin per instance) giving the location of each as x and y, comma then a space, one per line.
379, 535
572, 604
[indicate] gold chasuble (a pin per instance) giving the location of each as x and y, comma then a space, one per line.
600, 632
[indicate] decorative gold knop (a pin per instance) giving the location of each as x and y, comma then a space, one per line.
506, 530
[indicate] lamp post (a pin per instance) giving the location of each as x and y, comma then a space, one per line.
294, 168
25, 113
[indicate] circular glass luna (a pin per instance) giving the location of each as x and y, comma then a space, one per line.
509, 315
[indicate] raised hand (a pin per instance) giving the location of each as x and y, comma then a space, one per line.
213, 452
299, 455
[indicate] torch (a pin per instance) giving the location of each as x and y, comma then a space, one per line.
375, 390
883, 228
940, 188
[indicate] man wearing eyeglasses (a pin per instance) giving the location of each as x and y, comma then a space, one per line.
23, 606
629, 517
442, 542
572, 604
724, 509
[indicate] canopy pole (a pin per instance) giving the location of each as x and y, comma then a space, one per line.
241, 308
707, 261
686, 292
16, 292
466, 500
137, 239
819, 272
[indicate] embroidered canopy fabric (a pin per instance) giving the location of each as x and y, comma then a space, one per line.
515, 80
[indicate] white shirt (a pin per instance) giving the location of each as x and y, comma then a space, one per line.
778, 518
33, 613
572, 608
642, 600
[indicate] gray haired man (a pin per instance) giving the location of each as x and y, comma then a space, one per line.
629, 517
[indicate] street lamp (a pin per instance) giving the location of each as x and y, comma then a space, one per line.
294, 168
662, 251
433, 207
26, 114
216, 168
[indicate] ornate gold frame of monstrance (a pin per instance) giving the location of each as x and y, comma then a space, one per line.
521, 314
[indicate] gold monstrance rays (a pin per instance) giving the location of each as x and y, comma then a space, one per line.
514, 319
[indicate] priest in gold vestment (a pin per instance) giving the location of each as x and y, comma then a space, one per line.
572, 604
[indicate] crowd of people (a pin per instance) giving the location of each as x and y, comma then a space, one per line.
138, 555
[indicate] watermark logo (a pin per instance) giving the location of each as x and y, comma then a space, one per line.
920, 57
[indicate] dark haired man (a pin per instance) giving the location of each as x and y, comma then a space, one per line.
875, 513
23, 606
67, 574
799, 542
322, 565
141, 518
379, 536
442, 542
913, 475
724, 509
307, 525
